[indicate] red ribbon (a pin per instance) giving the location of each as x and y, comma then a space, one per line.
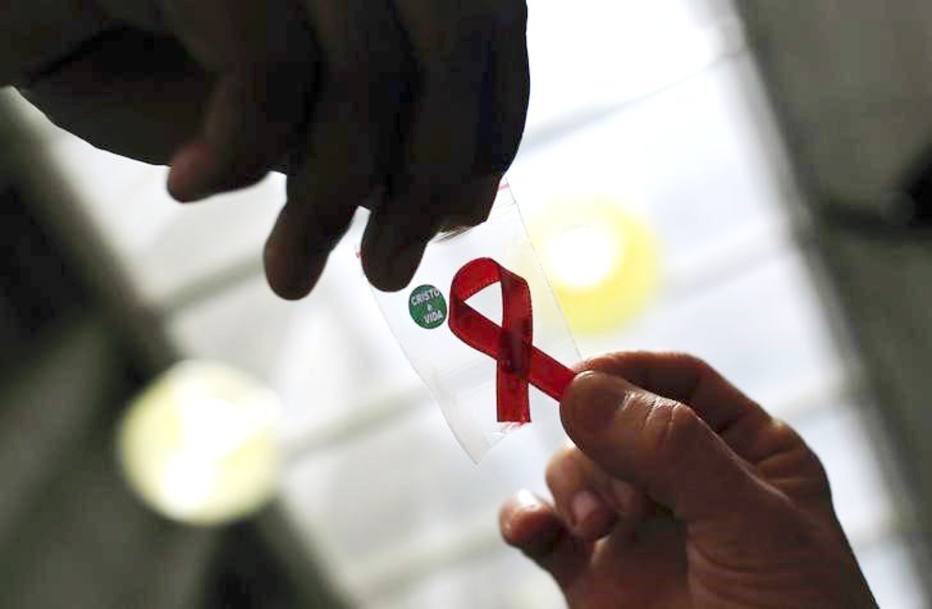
511, 343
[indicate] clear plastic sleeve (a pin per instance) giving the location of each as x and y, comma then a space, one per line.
462, 379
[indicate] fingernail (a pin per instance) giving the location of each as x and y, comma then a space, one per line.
583, 506
593, 399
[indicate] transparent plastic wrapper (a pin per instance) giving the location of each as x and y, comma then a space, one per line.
433, 327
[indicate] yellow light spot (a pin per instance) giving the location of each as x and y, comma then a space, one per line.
200, 445
601, 260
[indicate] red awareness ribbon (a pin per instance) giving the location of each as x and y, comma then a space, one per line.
511, 343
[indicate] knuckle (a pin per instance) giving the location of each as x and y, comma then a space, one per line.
668, 428
783, 434
655, 425
692, 362
787, 438
818, 471
812, 466
802, 460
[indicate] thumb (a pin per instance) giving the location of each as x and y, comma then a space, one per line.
660, 445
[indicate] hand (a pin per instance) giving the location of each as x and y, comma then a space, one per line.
414, 108
683, 494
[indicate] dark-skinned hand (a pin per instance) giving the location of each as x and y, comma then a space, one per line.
413, 108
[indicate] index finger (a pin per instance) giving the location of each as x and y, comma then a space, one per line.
467, 111
265, 61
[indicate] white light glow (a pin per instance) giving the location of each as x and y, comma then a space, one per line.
186, 485
215, 428
583, 256
201, 445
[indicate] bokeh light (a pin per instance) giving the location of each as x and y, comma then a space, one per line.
200, 444
602, 262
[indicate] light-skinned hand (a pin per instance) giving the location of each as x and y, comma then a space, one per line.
681, 493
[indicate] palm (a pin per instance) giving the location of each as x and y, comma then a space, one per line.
646, 570
661, 565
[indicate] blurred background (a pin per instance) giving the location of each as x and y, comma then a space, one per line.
749, 172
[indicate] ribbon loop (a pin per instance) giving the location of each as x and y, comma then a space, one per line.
519, 363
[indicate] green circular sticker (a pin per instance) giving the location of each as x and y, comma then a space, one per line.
427, 307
